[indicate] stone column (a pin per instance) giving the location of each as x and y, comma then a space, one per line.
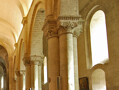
40, 75
50, 31
20, 80
76, 79
76, 33
67, 24
28, 71
23, 79
35, 60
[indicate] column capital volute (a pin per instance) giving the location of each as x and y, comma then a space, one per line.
50, 27
68, 23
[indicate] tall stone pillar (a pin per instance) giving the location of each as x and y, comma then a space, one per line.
20, 80
76, 79
68, 18
35, 60
50, 31
76, 33
23, 79
40, 75
28, 71
66, 29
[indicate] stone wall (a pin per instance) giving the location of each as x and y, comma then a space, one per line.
110, 8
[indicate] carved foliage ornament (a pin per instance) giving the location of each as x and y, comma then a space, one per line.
70, 24
50, 27
62, 25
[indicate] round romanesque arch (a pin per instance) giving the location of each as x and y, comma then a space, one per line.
87, 31
4, 69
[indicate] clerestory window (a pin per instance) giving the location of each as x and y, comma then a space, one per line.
98, 37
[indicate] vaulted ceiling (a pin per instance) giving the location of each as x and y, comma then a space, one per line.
11, 15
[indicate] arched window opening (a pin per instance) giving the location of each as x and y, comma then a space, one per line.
45, 71
98, 37
2, 82
2, 77
98, 80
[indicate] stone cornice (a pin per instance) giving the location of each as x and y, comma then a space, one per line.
33, 59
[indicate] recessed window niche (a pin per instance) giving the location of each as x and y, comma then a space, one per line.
98, 37
98, 80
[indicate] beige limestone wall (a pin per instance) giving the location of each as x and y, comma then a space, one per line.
111, 9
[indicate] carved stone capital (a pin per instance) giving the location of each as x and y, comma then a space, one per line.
67, 24
36, 60
71, 24
20, 72
77, 30
26, 59
50, 27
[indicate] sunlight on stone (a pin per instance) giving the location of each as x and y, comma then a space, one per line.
2, 82
45, 70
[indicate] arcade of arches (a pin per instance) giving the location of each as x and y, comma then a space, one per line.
59, 45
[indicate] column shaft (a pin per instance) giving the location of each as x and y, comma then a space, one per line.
40, 77
67, 61
28, 77
34, 76
20, 80
75, 63
53, 62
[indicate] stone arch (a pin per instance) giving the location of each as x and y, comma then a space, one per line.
36, 43
36, 33
87, 33
98, 80
4, 68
